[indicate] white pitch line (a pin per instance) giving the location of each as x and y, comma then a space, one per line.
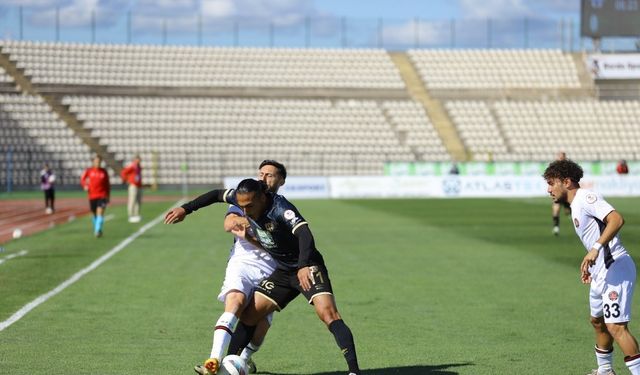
11, 256
109, 217
96, 263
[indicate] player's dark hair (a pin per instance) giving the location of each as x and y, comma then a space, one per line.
250, 185
563, 169
279, 166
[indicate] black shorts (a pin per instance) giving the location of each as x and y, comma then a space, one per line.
282, 286
95, 203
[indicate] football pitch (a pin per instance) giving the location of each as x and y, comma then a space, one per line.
464, 286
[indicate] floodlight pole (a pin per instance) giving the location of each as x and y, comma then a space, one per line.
416, 39
199, 29
489, 27
452, 26
526, 32
21, 22
93, 26
57, 24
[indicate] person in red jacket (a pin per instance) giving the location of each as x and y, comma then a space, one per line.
132, 175
95, 181
622, 167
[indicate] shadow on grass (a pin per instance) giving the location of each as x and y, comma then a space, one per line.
409, 370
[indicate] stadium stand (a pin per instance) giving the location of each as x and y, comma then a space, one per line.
177, 66
588, 130
219, 137
478, 129
495, 69
206, 112
32, 135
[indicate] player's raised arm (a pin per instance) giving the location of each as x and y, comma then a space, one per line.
178, 214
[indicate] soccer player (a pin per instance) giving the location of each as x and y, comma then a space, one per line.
607, 266
132, 175
248, 265
283, 233
555, 207
95, 181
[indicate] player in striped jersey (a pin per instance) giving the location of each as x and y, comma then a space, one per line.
607, 266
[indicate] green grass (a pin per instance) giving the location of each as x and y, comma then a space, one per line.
427, 286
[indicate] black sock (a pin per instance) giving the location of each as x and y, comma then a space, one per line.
344, 339
240, 338
556, 221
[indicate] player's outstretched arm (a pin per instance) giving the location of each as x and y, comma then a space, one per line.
178, 214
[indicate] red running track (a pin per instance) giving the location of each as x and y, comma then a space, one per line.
29, 215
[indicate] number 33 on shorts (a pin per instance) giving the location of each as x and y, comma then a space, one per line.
611, 310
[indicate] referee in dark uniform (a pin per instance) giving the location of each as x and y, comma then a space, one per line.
283, 233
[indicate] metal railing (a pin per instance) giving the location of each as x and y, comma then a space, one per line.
130, 27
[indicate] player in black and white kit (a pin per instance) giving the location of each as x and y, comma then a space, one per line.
607, 267
285, 235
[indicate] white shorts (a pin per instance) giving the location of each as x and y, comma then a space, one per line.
242, 276
611, 292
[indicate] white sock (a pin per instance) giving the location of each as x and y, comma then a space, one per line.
249, 350
604, 359
225, 326
633, 363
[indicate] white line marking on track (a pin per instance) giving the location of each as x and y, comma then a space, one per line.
11, 256
96, 263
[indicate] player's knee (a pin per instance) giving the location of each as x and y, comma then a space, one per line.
617, 330
250, 316
256, 311
328, 315
235, 300
598, 324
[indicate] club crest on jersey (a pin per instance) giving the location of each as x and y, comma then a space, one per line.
613, 295
576, 223
270, 226
591, 198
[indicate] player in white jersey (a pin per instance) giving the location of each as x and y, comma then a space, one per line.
607, 267
248, 264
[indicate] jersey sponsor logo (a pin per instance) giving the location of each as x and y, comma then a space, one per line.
267, 285
265, 238
591, 198
289, 214
576, 223
613, 295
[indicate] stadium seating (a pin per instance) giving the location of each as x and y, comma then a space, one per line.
200, 137
183, 66
586, 130
413, 125
495, 69
30, 135
217, 137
